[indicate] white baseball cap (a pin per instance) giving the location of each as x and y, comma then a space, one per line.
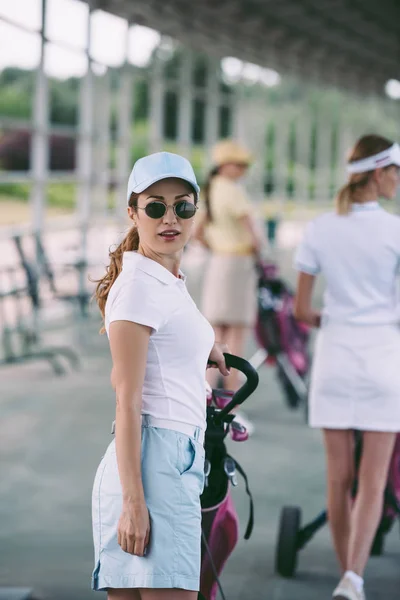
158, 166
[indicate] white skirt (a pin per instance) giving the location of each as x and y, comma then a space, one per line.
355, 380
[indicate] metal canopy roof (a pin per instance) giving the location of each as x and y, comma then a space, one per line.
354, 44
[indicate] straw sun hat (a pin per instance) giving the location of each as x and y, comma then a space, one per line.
229, 151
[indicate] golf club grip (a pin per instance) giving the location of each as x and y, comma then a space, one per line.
251, 383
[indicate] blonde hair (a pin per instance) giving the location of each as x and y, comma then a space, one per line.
368, 145
129, 243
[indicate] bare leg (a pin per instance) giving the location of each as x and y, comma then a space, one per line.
367, 510
235, 338
339, 447
170, 594
123, 594
214, 374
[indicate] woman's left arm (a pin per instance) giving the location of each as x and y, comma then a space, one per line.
303, 310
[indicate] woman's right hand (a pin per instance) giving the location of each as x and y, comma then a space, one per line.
134, 528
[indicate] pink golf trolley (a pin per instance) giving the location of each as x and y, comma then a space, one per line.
283, 341
220, 526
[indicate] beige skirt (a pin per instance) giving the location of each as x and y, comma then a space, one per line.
230, 290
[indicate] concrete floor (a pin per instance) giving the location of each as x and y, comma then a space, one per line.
54, 432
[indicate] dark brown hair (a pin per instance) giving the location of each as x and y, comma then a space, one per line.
368, 145
206, 192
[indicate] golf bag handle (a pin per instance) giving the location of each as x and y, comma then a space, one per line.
251, 383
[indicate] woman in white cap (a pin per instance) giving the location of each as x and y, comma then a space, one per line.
146, 495
356, 376
227, 228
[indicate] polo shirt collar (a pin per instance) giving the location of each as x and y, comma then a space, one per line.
151, 267
365, 206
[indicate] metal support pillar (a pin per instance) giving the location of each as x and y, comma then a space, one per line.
256, 133
212, 111
239, 114
185, 105
85, 144
281, 159
102, 113
303, 145
124, 140
85, 158
156, 105
124, 133
40, 144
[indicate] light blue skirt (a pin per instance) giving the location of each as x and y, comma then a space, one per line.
173, 480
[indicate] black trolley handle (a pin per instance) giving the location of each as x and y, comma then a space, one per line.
249, 386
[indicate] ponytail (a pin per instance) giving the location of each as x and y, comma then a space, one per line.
349, 192
129, 243
366, 146
206, 189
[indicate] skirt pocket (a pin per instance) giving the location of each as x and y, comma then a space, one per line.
191, 457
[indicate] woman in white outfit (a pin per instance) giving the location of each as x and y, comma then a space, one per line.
146, 494
355, 382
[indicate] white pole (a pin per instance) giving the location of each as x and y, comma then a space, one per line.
212, 111
256, 133
102, 112
157, 92
303, 145
85, 156
281, 158
124, 138
85, 144
185, 105
239, 114
40, 130
324, 144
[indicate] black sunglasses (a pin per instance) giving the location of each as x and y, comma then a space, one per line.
182, 209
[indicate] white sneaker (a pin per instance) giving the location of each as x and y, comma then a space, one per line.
346, 590
245, 422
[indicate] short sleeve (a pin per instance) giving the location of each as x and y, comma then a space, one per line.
306, 257
239, 203
139, 303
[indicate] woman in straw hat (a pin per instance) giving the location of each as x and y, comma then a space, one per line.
355, 383
227, 229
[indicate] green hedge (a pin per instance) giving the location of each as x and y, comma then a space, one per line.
61, 195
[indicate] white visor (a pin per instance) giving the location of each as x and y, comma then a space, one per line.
390, 156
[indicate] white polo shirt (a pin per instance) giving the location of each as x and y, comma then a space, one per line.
359, 257
147, 293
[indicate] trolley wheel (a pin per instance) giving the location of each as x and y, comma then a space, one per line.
378, 544
286, 552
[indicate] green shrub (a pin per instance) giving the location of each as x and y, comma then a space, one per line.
15, 190
61, 195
